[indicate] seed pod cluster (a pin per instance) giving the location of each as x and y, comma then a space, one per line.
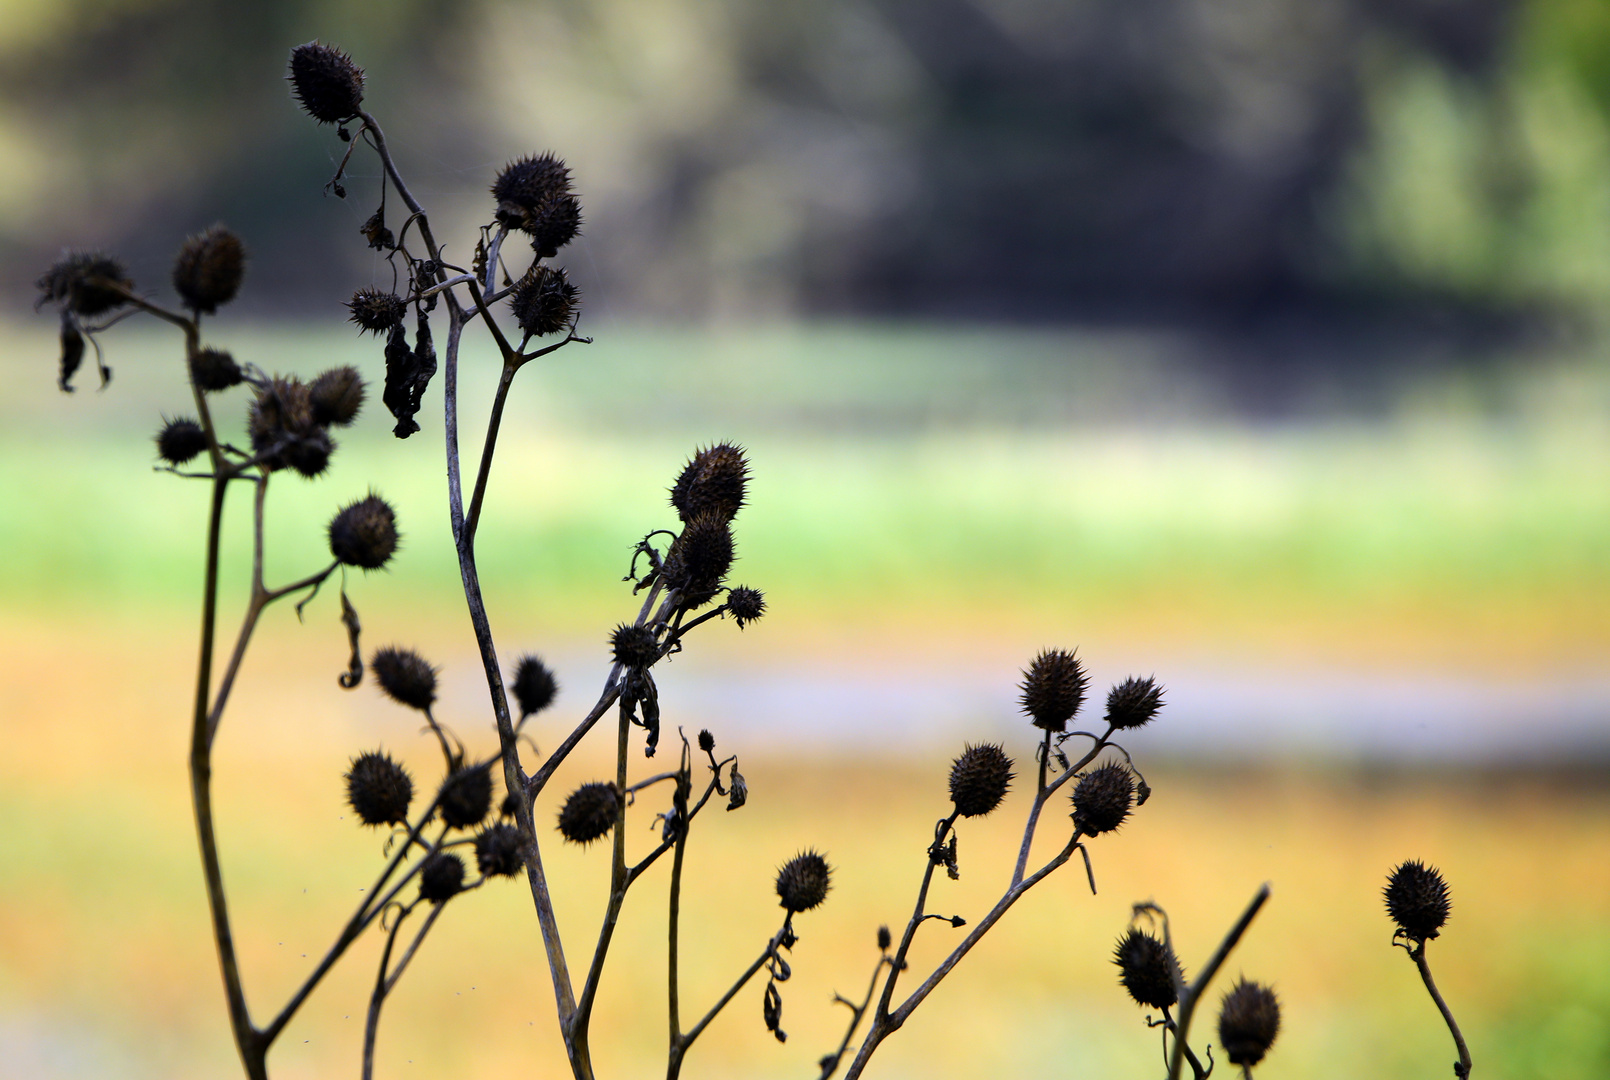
1054, 689
325, 82
533, 195
498, 851
589, 812
1417, 900
466, 797
1145, 969
282, 428
79, 282
979, 779
803, 882
1102, 799
405, 677
364, 533
180, 440
1133, 703
208, 269
379, 789
544, 301
534, 686
1249, 1020
441, 878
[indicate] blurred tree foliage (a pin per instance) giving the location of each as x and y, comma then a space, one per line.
1049, 159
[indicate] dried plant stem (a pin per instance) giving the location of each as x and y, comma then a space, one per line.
679, 1046
1190, 996
1461, 1068
830, 1063
385, 982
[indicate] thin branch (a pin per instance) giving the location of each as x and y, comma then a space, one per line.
1461, 1068
1193, 993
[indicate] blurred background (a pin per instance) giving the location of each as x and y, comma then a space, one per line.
1257, 344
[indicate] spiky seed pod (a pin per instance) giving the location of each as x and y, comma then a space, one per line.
526, 184
534, 686
1145, 970
707, 741
337, 396
544, 301
1054, 688
1102, 799
746, 605
1417, 900
208, 269
509, 806
590, 812
441, 878
1249, 1020
979, 779
280, 419
713, 480
554, 224
466, 797
498, 851
325, 82
77, 282
376, 311
803, 881
885, 939
310, 454
700, 558
214, 370
634, 646
180, 440
405, 677
379, 789
1133, 702
364, 533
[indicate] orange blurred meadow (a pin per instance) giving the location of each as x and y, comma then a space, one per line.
1450, 549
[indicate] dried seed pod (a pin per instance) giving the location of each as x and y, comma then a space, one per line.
281, 426
534, 686
746, 604
1145, 969
1054, 689
405, 677
376, 311
180, 440
739, 790
214, 370
803, 881
713, 480
1249, 1020
1133, 702
309, 455
707, 741
979, 779
544, 301
1102, 799
533, 195
634, 646
700, 558
441, 878
498, 851
590, 812
337, 396
1417, 900
325, 82
364, 533
379, 789
885, 939
208, 269
79, 282
466, 797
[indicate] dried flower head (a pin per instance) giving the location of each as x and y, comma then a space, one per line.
498, 851
544, 301
1102, 799
712, 481
590, 812
208, 269
1133, 702
1417, 900
1054, 688
379, 789
1249, 1020
376, 311
214, 370
803, 881
180, 440
634, 646
364, 533
466, 796
441, 878
1145, 970
405, 677
746, 604
707, 741
282, 429
885, 939
700, 558
533, 194
325, 82
337, 396
534, 686
979, 779
80, 280
310, 454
